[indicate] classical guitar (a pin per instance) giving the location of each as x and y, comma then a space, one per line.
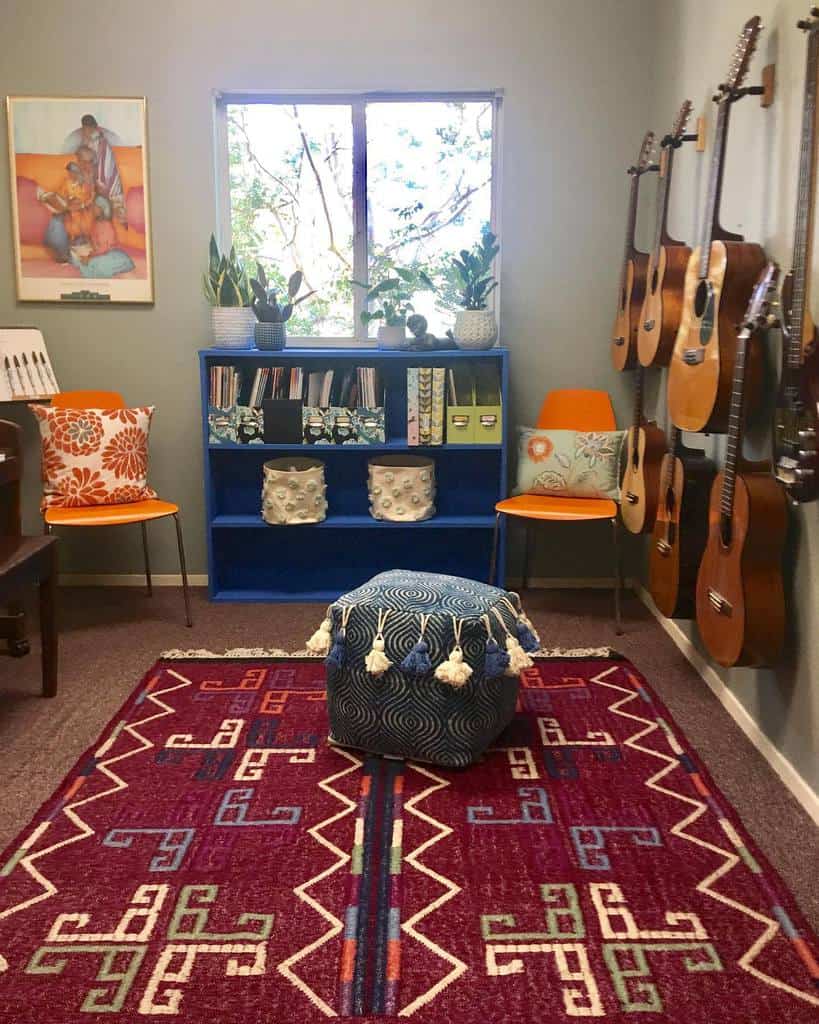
662, 306
632, 271
680, 529
645, 447
720, 275
740, 599
796, 417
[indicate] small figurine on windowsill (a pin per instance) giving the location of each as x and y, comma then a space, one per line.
422, 341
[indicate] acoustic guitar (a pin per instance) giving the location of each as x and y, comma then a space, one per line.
740, 598
720, 275
632, 271
681, 528
796, 417
662, 306
645, 447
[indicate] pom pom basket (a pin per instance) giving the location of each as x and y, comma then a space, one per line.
401, 488
293, 492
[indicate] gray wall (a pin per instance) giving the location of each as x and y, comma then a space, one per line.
760, 193
571, 122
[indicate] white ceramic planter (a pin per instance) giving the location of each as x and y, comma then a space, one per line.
233, 326
392, 336
475, 328
293, 492
401, 488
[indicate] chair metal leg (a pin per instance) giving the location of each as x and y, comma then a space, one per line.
526, 539
618, 578
493, 562
183, 569
144, 526
48, 627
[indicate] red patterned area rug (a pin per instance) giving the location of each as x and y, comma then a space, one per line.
212, 860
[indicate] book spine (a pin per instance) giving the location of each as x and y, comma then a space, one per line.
412, 405
438, 384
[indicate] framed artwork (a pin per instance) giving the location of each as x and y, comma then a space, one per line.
79, 197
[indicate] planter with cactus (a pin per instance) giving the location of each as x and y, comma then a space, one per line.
270, 332
475, 324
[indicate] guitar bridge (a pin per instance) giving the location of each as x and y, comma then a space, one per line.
632, 498
718, 602
664, 548
692, 356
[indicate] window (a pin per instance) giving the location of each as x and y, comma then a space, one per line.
348, 188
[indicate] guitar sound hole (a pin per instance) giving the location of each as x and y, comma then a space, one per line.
725, 531
655, 280
701, 298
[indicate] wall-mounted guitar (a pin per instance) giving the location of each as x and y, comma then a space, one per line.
645, 447
720, 275
662, 306
681, 528
740, 598
632, 271
796, 419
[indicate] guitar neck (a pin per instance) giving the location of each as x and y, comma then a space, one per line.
638, 398
631, 225
673, 446
734, 440
710, 224
663, 195
805, 199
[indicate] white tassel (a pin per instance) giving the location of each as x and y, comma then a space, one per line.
319, 642
518, 658
529, 625
377, 662
454, 670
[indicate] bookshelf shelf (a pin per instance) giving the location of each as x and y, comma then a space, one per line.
248, 560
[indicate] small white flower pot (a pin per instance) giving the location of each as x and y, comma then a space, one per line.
401, 488
392, 336
233, 326
475, 328
293, 492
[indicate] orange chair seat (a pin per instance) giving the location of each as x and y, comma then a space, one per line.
544, 506
111, 515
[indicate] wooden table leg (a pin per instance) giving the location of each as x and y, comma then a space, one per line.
48, 627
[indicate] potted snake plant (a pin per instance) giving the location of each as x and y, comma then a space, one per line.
270, 331
227, 289
475, 324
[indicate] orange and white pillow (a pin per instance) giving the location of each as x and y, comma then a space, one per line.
94, 456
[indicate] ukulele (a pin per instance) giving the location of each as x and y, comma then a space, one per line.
740, 598
720, 275
632, 271
645, 447
681, 528
662, 306
796, 417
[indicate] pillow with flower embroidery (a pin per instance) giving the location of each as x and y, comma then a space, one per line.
94, 456
569, 463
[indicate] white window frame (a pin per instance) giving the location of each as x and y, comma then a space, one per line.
358, 102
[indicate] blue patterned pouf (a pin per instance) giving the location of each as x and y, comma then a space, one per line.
409, 696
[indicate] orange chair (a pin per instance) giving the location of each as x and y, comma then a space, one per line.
566, 410
141, 512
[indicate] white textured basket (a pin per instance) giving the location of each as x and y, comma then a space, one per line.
402, 488
475, 328
232, 326
293, 492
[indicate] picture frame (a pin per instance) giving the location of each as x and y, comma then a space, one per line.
80, 199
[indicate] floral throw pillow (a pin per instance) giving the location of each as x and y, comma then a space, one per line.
569, 464
94, 456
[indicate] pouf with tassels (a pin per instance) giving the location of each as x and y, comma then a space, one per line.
423, 666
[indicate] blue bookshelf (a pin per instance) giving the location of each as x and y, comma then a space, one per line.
251, 561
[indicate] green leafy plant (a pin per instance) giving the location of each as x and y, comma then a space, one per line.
474, 270
394, 293
265, 304
225, 282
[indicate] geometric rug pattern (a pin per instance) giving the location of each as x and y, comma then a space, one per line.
213, 859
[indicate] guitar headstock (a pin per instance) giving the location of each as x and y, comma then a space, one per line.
743, 52
811, 23
681, 121
758, 313
644, 160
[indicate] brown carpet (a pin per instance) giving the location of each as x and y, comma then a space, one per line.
111, 637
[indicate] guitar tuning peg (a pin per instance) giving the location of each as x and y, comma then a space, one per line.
814, 12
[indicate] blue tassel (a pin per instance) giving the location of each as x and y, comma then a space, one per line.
418, 661
338, 652
496, 661
526, 638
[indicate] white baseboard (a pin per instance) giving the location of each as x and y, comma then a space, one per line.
136, 579
799, 787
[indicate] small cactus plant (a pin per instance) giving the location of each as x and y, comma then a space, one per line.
265, 304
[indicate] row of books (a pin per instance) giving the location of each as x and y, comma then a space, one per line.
359, 386
425, 405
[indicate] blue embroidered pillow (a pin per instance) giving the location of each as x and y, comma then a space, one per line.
569, 463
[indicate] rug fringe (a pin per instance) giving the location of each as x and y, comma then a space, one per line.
177, 654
